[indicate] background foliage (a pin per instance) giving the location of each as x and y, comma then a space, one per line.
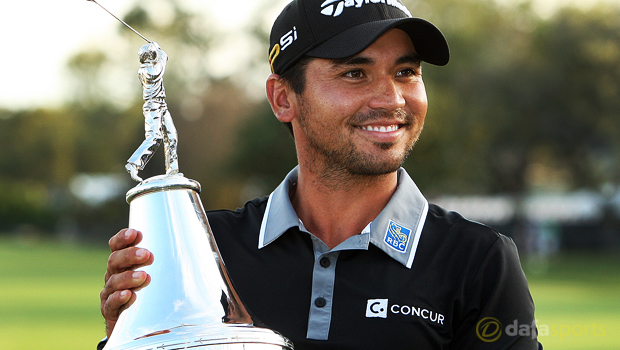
522, 96
525, 103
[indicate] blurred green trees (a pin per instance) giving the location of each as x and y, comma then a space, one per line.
525, 103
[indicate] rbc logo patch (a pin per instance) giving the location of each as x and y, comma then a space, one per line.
397, 237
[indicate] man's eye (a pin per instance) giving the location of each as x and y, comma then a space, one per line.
407, 73
354, 74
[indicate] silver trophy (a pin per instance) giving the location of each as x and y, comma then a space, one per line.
190, 302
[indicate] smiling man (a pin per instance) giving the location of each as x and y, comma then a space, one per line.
354, 124
347, 253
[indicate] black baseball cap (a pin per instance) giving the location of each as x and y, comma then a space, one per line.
341, 28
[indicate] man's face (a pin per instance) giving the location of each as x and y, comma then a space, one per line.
363, 114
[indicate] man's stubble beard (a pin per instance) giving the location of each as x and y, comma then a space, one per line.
339, 161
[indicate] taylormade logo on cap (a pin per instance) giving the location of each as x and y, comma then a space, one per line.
329, 9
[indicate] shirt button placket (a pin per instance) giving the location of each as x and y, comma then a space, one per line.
322, 295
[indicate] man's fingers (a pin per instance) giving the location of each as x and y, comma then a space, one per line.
146, 282
120, 279
128, 258
125, 238
119, 293
123, 281
112, 307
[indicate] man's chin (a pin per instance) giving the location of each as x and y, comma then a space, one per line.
375, 168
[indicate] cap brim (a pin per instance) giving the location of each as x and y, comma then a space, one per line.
429, 42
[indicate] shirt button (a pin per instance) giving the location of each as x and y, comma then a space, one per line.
325, 262
320, 302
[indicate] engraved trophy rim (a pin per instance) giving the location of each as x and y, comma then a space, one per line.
162, 183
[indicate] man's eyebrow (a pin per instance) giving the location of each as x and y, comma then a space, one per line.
352, 61
412, 58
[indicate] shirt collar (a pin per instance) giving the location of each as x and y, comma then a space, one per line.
396, 230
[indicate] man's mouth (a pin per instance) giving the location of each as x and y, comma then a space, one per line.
380, 128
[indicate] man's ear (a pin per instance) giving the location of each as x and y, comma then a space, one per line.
281, 98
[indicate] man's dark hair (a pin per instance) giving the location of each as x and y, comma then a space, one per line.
295, 78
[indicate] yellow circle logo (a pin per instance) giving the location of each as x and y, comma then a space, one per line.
489, 329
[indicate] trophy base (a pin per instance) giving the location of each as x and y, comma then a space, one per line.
220, 337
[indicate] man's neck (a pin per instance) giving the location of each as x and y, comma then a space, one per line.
334, 211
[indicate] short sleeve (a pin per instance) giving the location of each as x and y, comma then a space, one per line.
499, 310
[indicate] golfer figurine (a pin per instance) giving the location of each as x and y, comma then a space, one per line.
158, 123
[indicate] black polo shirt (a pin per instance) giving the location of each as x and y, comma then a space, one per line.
418, 277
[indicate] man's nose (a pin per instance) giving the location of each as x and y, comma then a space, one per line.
387, 94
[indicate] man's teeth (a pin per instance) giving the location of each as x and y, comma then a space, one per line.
380, 128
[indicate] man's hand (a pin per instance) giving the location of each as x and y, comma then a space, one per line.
120, 280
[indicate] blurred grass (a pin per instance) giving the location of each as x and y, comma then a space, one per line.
49, 297
577, 297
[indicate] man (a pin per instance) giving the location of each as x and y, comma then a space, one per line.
346, 253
